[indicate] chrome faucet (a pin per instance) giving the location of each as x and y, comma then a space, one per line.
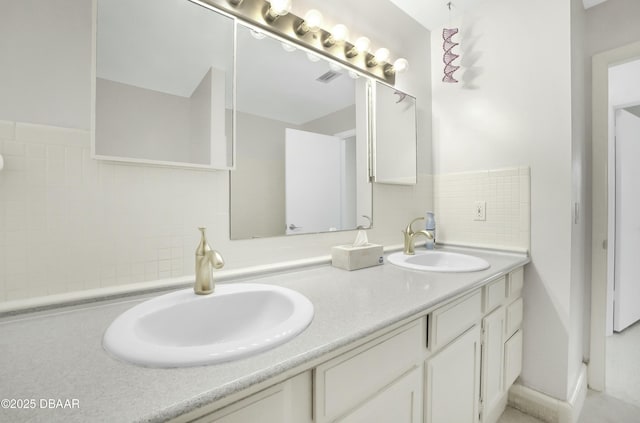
207, 259
410, 234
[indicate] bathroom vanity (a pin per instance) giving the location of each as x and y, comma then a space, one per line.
397, 344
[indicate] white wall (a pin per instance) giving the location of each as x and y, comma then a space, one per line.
141, 123
611, 24
512, 107
128, 223
258, 195
45, 67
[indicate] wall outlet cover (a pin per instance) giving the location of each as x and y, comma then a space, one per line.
480, 210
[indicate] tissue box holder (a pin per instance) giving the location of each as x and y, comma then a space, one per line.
349, 257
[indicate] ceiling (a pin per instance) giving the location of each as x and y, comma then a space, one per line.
435, 13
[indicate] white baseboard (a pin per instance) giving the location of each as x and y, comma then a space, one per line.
549, 409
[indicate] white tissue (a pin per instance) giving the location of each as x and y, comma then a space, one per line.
361, 239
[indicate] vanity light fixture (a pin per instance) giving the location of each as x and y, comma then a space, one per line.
339, 34
311, 23
381, 55
276, 9
306, 32
361, 46
400, 65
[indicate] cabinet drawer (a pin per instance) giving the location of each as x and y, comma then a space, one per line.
516, 281
512, 358
514, 316
346, 381
494, 294
452, 320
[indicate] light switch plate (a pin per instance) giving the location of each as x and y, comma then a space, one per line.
480, 210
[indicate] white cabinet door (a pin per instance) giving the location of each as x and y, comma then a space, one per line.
401, 402
493, 393
513, 358
348, 381
453, 381
286, 402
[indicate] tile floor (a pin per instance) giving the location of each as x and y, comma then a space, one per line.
623, 365
621, 403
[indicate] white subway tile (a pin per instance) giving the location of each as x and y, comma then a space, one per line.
13, 148
504, 172
28, 132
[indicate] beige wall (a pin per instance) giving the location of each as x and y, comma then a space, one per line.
257, 183
141, 123
336, 122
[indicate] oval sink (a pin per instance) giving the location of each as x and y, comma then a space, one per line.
184, 329
439, 261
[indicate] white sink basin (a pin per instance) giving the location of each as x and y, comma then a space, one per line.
183, 329
439, 261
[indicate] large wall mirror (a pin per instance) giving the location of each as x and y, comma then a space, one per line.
394, 136
163, 83
301, 149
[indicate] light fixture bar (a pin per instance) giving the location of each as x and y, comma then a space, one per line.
287, 26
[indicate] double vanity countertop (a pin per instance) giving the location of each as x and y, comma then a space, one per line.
58, 355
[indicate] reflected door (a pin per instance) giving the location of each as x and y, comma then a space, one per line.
627, 266
314, 169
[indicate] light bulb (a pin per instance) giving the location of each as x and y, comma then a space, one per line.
313, 19
340, 33
401, 65
362, 44
280, 7
382, 55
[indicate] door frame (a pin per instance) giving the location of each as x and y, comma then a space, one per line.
600, 204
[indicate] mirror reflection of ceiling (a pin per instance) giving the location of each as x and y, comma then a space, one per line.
153, 48
266, 72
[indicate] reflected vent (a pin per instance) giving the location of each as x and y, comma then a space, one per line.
328, 76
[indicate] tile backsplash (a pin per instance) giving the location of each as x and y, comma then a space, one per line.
506, 193
71, 223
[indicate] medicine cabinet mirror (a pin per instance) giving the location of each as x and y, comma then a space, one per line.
301, 161
163, 83
394, 136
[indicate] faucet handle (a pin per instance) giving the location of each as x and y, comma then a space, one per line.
409, 229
